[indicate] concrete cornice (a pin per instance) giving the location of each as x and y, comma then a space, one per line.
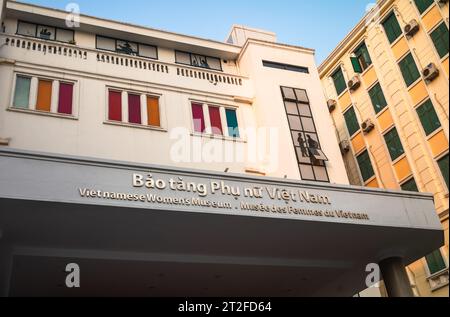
354, 35
275, 45
6, 61
227, 49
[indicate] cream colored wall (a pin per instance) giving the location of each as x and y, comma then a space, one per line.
421, 153
269, 107
89, 135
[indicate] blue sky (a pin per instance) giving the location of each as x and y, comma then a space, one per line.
318, 24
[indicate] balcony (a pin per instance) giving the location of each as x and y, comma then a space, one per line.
98, 63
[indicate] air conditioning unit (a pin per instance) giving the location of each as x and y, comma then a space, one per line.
430, 73
344, 145
411, 28
354, 83
367, 126
331, 105
442, 2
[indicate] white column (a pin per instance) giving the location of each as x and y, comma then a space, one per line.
223, 119
55, 96
144, 116
208, 128
33, 93
125, 118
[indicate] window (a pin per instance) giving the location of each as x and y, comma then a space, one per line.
423, 5
392, 28
65, 98
299, 69
44, 96
339, 81
443, 165
43, 92
126, 47
22, 92
394, 144
115, 106
197, 60
440, 39
233, 127
409, 70
378, 100
428, 117
218, 117
365, 166
361, 61
198, 117
133, 108
45, 32
310, 156
216, 121
435, 262
153, 112
351, 121
410, 186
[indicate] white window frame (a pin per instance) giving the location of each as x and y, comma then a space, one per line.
144, 94
208, 129
35, 77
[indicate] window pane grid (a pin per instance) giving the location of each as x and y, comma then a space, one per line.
126, 47
45, 32
377, 96
22, 92
423, 5
435, 262
363, 56
428, 117
65, 98
197, 60
115, 106
409, 70
216, 121
365, 166
310, 157
394, 144
351, 121
232, 122
410, 186
440, 38
392, 28
339, 81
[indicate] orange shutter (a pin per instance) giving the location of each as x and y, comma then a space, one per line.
153, 111
44, 96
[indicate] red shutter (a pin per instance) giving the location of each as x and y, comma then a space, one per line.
134, 109
115, 106
65, 98
198, 117
216, 122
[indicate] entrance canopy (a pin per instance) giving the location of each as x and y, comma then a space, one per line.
140, 230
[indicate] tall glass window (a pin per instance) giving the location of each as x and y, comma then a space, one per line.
310, 156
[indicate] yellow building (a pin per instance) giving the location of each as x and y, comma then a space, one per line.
387, 85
